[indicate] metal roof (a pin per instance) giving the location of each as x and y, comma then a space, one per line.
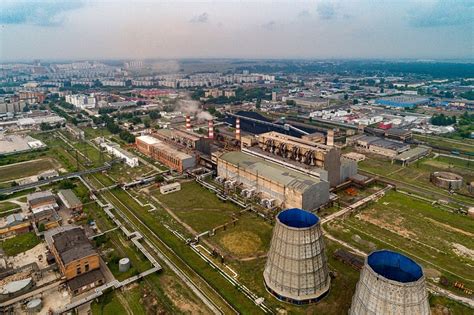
270, 171
68, 197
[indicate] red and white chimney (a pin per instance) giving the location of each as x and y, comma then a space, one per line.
188, 123
237, 128
210, 127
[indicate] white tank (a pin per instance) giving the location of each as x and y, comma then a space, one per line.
124, 264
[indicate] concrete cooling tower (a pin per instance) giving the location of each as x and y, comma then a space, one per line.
390, 283
296, 270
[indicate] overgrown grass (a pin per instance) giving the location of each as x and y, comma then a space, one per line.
19, 244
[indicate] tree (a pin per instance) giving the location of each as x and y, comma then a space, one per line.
346, 97
66, 184
258, 104
41, 227
159, 179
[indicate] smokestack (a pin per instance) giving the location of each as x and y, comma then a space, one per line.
237, 128
330, 138
210, 127
188, 123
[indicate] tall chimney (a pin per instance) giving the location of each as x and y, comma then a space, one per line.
330, 138
210, 127
237, 128
188, 123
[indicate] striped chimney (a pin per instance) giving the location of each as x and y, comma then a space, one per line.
188, 123
210, 127
237, 128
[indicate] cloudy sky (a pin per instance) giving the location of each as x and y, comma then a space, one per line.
249, 29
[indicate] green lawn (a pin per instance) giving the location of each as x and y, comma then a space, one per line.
432, 236
27, 168
198, 207
108, 304
19, 243
438, 303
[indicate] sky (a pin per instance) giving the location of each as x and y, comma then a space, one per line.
127, 29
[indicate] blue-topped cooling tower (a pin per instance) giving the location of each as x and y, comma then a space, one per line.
390, 283
296, 270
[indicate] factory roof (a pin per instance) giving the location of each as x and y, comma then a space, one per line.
148, 139
39, 196
387, 144
69, 199
70, 242
271, 171
402, 101
85, 279
411, 153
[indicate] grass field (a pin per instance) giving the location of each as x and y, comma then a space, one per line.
435, 238
463, 145
250, 236
5, 206
19, 243
418, 173
27, 168
198, 207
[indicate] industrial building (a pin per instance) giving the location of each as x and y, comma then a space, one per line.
296, 270
43, 205
186, 138
115, 150
402, 101
165, 153
306, 152
377, 145
78, 261
13, 224
390, 283
284, 186
69, 200
76, 132
12, 144
412, 155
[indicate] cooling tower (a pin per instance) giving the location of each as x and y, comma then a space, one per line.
296, 270
390, 284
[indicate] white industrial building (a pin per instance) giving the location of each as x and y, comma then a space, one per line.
81, 101
115, 150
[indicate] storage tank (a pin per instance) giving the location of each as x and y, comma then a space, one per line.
296, 270
124, 264
34, 306
390, 283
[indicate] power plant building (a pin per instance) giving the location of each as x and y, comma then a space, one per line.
305, 152
165, 153
288, 187
296, 270
390, 283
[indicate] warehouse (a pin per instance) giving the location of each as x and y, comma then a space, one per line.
378, 145
412, 155
402, 101
69, 200
115, 149
165, 153
287, 187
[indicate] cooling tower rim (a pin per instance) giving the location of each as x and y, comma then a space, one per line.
408, 266
297, 219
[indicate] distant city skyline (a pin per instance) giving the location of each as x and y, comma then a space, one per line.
323, 29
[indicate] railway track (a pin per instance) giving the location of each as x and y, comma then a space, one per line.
216, 303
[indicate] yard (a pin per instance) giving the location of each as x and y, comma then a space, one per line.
19, 244
198, 207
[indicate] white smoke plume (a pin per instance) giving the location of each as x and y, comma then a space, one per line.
190, 107
204, 116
